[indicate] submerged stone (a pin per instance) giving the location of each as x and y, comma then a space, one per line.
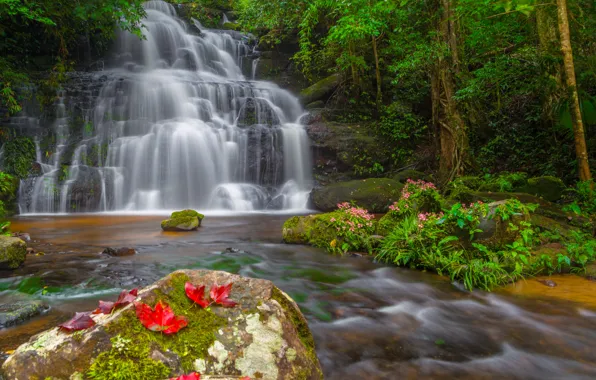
264, 336
12, 252
18, 312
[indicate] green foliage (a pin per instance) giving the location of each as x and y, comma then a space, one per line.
51, 28
353, 225
19, 154
583, 199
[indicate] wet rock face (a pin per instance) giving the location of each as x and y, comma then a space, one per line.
264, 336
12, 252
343, 151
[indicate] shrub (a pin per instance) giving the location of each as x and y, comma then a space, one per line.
354, 226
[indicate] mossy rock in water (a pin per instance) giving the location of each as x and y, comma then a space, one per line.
186, 213
13, 252
373, 194
264, 336
187, 223
185, 220
15, 313
315, 230
549, 188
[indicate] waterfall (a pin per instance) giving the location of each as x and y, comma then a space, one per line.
177, 125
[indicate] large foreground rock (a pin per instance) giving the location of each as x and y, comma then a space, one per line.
373, 194
12, 252
265, 337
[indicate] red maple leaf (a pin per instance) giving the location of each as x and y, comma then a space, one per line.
192, 376
220, 294
196, 294
161, 318
80, 321
124, 299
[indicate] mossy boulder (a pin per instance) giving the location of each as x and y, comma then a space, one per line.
412, 174
549, 188
264, 336
321, 89
12, 252
311, 229
318, 230
187, 213
546, 208
373, 194
185, 220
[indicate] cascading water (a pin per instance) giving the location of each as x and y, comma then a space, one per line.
178, 125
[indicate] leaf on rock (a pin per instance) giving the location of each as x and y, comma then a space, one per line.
80, 321
161, 318
124, 299
105, 307
196, 294
192, 376
220, 294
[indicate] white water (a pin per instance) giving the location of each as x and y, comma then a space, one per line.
178, 125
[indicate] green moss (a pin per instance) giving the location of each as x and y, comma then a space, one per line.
230, 26
304, 334
320, 89
12, 252
187, 213
190, 343
186, 221
129, 362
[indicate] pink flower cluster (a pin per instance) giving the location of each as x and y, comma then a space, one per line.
426, 216
413, 187
423, 185
355, 211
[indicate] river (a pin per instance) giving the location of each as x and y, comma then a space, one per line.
369, 320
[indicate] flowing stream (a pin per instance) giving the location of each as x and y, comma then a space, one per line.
369, 321
176, 124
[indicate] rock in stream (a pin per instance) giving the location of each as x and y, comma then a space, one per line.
264, 336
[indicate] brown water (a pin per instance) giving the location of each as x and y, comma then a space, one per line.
369, 321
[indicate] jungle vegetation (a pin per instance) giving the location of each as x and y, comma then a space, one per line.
484, 85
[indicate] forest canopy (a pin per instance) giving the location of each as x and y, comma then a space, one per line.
478, 86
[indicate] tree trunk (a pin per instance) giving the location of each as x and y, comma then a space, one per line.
578, 126
454, 140
549, 45
378, 72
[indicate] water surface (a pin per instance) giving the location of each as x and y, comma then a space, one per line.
369, 320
